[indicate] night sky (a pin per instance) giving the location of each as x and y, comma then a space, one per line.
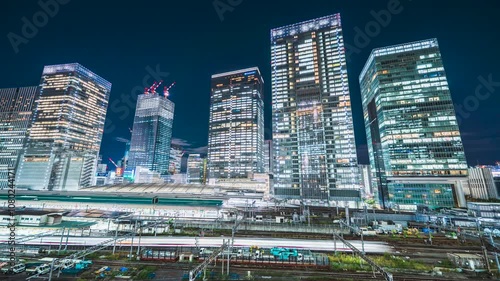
119, 41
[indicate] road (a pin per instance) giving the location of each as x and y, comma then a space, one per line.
166, 241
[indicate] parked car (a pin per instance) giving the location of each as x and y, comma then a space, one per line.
41, 269
18, 268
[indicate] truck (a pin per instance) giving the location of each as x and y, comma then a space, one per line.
204, 252
284, 253
305, 258
451, 235
367, 231
385, 228
79, 266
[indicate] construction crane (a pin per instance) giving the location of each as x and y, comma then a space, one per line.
113, 162
122, 140
119, 170
152, 89
166, 90
156, 85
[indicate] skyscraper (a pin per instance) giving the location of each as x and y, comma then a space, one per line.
366, 180
176, 154
195, 169
414, 143
313, 137
16, 112
152, 133
268, 156
64, 141
236, 126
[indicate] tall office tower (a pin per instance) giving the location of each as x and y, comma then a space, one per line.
16, 112
366, 179
152, 133
313, 138
268, 156
176, 153
414, 143
65, 137
195, 169
236, 126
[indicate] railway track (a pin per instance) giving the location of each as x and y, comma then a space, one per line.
290, 273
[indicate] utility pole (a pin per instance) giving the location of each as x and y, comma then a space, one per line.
139, 246
308, 217
230, 246
347, 219
357, 231
498, 263
60, 242
132, 242
116, 236
387, 275
222, 255
51, 269
366, 214
483, 246
430, 233
202, 267
67, 237
335, 243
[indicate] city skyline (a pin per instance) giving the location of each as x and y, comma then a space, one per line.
470, 73
222, 138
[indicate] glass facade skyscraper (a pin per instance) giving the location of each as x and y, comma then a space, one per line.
313, 137
414, 142
152, 133
176, 154
65, 137
268, 156
16, 112
236, 126
195, 169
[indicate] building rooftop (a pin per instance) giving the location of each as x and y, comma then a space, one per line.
26, 212
245, 70
305, 26
70, 67
394, 49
